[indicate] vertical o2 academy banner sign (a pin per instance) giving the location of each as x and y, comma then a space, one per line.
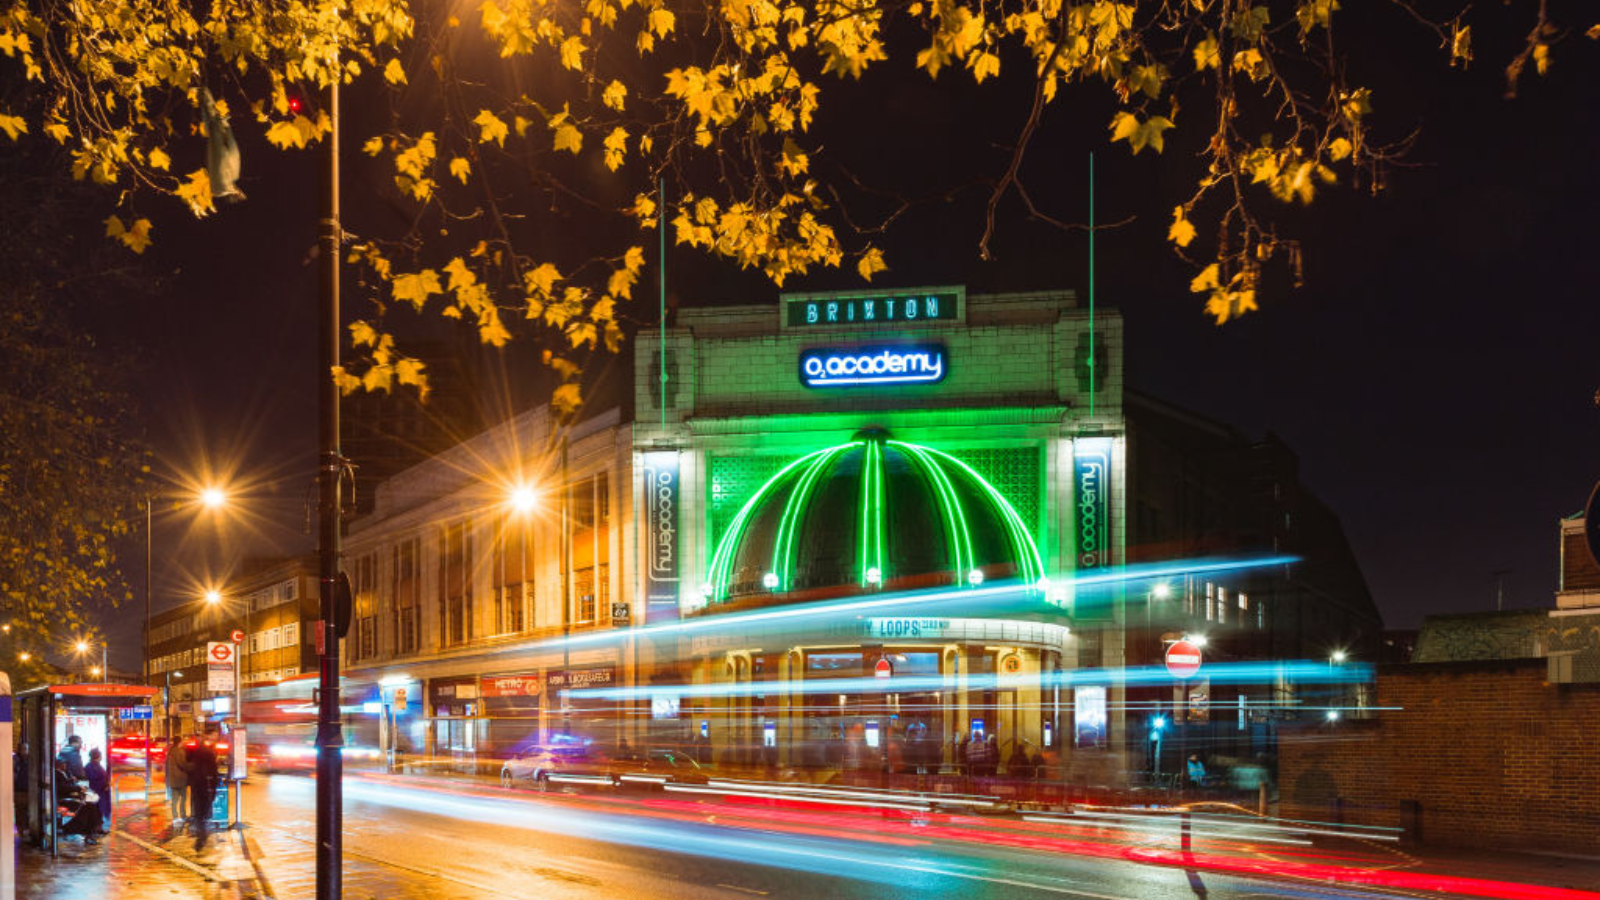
1091, 518
661, 535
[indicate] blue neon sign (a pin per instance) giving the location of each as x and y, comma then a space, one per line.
864, 366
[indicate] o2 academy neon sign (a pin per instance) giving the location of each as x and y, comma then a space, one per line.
867, 366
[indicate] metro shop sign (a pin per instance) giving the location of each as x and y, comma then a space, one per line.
867, 366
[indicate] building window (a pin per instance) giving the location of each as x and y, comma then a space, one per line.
1222, 605
1211, 601
407, 594
513, 574
591, 593
291, 634
455, 584
366, 603
591, 548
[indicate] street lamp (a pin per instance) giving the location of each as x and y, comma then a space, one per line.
83, 647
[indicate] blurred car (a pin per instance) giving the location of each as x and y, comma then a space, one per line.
566, 762
658, 767
131, 749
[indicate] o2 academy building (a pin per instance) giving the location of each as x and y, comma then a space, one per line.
854, 527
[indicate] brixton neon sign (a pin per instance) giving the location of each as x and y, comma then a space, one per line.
863, 366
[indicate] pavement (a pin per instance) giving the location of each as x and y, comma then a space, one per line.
146, 858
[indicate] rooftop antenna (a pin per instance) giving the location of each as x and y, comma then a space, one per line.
1499, 576
661, 224
1091, 285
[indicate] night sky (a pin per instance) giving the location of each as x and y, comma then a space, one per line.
1436, 374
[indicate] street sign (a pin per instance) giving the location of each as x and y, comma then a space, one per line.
1183, 659
621, 613
219, 653
882, 669
400, 698
219, 677
138, 712
237, 637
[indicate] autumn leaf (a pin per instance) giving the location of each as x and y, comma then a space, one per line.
491, 128
1149, 133
572, 53
160, 160
373, 146
615, 145
196, 191
614, 96
1206, 55
461, 169
568, 138
1182, 230
871, 263
13, 125
415, 288
542, 280
661, 21
362, 334
566, 399
1206, 280
394, 73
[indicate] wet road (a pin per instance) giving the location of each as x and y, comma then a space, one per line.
439, 841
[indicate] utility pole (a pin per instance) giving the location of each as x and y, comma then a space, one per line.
330, 469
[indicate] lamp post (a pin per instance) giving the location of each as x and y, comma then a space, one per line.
330, 470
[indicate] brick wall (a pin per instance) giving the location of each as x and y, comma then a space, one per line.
1494, 755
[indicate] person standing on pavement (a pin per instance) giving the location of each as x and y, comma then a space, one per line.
202, 772
178, 782
100, 783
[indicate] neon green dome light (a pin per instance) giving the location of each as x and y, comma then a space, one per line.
793, 533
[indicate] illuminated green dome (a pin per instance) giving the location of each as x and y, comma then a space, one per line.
868, 515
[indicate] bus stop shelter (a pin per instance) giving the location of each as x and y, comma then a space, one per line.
45, 717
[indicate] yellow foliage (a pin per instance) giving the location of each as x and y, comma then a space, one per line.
13, 126
160, 160
196, 191
491, 128
615, 95
871, 263
394, 73
1181, 232
615, 146
1206, 54
568, 138
416, 287
1125, 126
461, 169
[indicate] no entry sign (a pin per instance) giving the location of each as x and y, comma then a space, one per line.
882, 669
1183, 659
219, 652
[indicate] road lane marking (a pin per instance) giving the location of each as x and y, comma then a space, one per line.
174, 858
743, 890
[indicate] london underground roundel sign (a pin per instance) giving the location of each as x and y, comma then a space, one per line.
1183, 659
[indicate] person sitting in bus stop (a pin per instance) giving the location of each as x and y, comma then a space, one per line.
1197, 770
100, 783
71, 758
83, 817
